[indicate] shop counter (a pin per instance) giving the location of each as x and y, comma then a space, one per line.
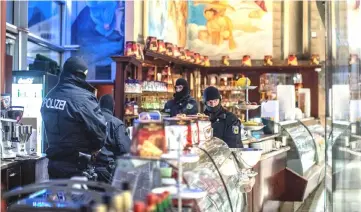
23, 171
263, 195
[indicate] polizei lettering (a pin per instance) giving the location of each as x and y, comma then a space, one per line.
56, 104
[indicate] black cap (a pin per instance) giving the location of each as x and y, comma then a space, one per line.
75, 65
211, 93
107, 102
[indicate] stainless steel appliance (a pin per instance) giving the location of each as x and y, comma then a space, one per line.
6, 144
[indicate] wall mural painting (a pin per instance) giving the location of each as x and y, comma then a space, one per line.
234, 28
98, 27
167, 20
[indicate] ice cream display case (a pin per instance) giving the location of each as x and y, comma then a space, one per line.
216, 173
306, 156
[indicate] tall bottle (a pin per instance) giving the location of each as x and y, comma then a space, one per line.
100, 208
118, 203
127, 197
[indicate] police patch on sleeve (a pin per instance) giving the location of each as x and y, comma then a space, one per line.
189, 106
235, 130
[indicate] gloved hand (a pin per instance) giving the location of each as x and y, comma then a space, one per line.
83, 160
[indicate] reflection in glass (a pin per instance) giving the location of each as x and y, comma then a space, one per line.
98, 27
42, 59
343, 167
10, 12
44, 20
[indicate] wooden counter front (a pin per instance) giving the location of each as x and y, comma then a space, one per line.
269, 165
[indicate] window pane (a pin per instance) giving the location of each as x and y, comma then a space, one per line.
42, 59
98, 28
10, 12
44, 20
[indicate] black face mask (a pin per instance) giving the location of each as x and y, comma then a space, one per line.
213, 109
183, 93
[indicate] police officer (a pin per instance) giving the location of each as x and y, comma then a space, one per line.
116, 144
73, 121
182, 103
226, 126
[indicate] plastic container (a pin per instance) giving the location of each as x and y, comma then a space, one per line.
149, 139
176, 130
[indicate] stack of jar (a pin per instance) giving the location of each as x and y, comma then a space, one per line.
131, 108
156, 45
133, 86
153, 103
155, 86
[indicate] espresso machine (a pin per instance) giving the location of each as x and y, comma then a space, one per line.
22, 133
7, 128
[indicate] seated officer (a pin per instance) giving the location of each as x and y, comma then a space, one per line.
182, 103
116, 144
226, 126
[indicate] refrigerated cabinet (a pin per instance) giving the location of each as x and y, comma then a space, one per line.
28, 90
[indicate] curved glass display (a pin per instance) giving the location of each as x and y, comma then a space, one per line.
216, 172
302, 155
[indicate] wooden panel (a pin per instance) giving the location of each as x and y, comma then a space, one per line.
288, 186
262, 191
8, 73
104, 89
28, 172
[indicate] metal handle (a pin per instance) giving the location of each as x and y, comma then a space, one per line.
12, 174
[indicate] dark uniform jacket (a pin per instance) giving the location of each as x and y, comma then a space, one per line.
227, 127
72, 119
117, 142
186, 105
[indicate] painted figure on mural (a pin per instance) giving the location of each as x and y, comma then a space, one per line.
99, 30
218, 29
167, 20
229, 26
178, 13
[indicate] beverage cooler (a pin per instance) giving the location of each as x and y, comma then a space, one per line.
28, 90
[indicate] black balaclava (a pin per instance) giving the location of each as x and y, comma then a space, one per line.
75, 66
211, 93
107, 102
184, 92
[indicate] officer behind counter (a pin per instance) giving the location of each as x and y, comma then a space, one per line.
226, 126
73, 121
182, 103
116, 144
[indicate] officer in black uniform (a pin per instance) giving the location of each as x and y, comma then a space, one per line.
226, 126
182, 103
116, 144
73, 121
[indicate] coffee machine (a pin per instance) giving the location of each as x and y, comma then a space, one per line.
7, 127
22, 133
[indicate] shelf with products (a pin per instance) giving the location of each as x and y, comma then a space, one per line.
266, 78
138, 81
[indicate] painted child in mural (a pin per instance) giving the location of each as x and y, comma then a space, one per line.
219, 27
